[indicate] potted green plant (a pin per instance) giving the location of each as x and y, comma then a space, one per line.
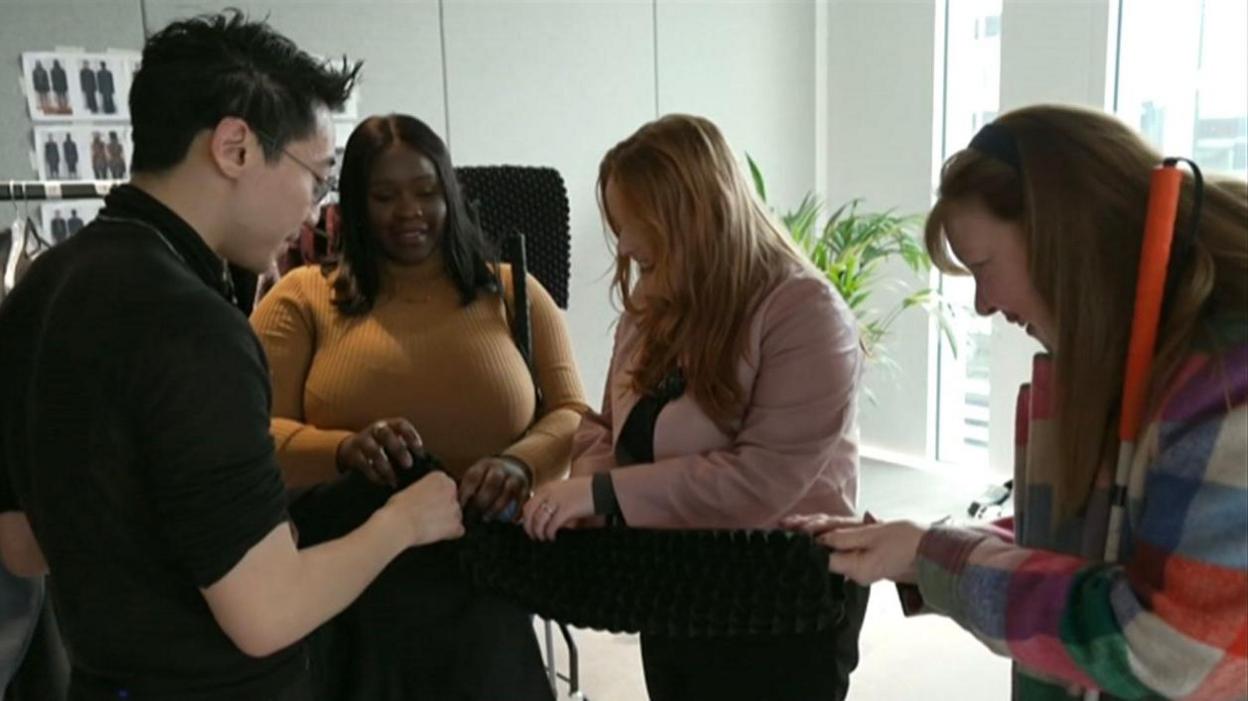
851, 247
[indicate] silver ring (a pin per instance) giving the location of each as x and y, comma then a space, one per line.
546, 507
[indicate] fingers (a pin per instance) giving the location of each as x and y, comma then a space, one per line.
851, 538
408, 433
853, 565
471, 482
491, 488
818, 524
432, 502
557, 521
374, 462
510, 492
392, 443
538, 515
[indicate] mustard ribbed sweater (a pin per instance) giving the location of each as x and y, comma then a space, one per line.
453, 371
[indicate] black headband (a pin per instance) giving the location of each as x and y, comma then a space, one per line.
996, 142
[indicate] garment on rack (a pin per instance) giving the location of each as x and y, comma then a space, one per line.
26, 246
6, 248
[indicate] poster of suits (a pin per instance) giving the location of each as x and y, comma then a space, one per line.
66, 86
83, 152
64, 219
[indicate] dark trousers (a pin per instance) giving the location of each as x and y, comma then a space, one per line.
812, 667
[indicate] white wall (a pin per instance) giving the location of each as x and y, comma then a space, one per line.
881, 81
1056, 51
398, 40
555, 82
749, 67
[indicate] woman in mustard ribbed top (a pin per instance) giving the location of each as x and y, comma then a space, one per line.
403, 345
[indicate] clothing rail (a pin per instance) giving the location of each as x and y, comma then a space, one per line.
22, 190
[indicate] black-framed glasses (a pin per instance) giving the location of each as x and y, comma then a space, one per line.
324, 184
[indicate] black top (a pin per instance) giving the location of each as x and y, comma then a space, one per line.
134, 432
635, 444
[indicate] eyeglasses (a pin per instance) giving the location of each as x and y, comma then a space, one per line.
324, 184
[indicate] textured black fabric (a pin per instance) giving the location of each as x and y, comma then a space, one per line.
686, 583
529, 200
797, 667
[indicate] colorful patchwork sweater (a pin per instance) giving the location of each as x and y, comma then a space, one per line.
1170, 621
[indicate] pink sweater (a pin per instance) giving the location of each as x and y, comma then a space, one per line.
794, 448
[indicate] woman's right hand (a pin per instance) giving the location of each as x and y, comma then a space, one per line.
429, 509
379, 448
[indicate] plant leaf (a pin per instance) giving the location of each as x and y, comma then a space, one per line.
759, 186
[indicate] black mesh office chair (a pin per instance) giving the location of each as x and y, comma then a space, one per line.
533, 202
529, 200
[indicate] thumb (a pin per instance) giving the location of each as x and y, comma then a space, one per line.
849, 564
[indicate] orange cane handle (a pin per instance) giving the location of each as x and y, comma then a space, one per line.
1163, 208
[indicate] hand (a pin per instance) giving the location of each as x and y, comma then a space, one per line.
555, 505
491, 484
815, 525
869, 553
378, 448
429, 510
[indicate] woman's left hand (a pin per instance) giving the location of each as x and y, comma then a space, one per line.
869, 553
555, 505
492, 485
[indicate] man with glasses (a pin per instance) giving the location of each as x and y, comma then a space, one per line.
325, 184
136, 464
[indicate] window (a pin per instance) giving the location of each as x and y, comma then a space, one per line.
1183, 79
971, 99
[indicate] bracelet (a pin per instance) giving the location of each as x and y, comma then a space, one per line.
524, 467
